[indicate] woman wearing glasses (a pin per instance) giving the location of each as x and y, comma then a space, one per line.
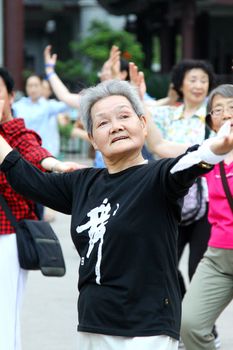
211, 288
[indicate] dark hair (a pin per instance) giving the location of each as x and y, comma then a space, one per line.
181, 68
8, 80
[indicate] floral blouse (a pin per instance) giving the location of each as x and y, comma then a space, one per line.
175, 127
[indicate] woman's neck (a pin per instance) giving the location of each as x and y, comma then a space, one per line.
123, 162
35, 99
190, 109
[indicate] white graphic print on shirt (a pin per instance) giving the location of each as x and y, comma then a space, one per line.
98, 220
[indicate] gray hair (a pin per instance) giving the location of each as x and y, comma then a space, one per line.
225, 90
105, 89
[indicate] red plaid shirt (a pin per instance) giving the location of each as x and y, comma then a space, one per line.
28, 143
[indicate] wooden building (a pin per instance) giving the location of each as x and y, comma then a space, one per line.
205, 28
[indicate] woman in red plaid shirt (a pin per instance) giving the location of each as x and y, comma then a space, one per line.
12, 277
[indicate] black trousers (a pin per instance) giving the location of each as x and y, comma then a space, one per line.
196, 235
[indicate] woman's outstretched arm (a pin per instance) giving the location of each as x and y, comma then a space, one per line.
59, 89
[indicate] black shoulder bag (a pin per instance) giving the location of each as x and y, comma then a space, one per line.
225, 185
38, 245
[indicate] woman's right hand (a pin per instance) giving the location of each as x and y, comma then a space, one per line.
49, 59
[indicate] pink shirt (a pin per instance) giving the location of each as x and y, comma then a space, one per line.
220, 215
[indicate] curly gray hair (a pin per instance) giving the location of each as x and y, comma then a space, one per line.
105, 89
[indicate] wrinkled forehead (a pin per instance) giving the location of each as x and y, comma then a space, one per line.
219, 100
110, 105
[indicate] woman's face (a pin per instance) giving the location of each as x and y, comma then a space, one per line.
195, 86
34, 88
117, 130
222, 110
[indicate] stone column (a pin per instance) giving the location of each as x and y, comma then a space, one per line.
187, 28
167, 47
14, 39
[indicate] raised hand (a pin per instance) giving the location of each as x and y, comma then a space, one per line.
115, 62
137, 79
49, 59
111, 67
223, 144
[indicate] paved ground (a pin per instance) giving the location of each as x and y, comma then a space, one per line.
49, 311
49, 317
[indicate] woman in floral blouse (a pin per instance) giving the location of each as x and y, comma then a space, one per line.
192, 80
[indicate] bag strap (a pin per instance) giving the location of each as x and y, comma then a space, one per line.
10, 216
226, 185
207, 131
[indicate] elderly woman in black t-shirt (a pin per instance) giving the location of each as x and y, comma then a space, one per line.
124, 222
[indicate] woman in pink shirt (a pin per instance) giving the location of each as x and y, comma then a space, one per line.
211, 288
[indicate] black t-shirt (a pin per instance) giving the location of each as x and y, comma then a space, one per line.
124, 227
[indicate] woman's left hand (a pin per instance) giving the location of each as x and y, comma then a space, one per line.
66, 167
137, 79
223, 144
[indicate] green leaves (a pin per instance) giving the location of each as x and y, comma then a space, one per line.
90, 53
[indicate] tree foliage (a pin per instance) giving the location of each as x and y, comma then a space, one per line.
89, 54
